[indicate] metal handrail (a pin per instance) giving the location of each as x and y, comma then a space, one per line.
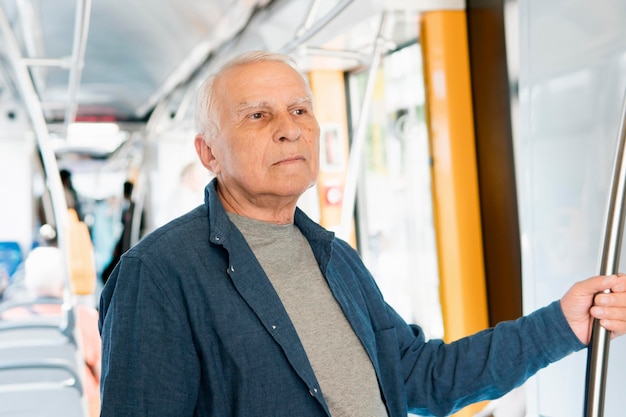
310, 29
81, 30
48, 157
40, 127
598, 353
358, 141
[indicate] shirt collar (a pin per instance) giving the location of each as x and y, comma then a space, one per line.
221, 226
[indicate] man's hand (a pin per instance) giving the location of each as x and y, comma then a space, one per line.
586, 300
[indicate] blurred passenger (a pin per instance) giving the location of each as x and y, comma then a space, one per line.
124, 241
189, 191
44, 282
71, 196
128, 206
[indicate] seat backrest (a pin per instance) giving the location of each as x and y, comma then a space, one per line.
42, 402
82, 267
28, 304
36, 329
29, 326
41, 397
39, 353
36, 339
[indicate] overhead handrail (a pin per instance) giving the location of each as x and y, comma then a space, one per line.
81, 30
310, 29
311, 15
598, 351
73, 63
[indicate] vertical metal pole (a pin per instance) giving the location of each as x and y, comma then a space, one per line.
359, 137
598, 353
51, 169
35, 112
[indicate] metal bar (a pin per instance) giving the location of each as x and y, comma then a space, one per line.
31, 100
52, 105
51, 169
47, 62
598, 352
32, 35
310, 18
344, 54
186, 103
314, 28
81, 30
358, 141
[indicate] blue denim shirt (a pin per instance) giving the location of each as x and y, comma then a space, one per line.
191, 326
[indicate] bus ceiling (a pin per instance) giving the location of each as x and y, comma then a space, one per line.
115, 61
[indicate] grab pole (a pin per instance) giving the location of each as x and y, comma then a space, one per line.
598, 352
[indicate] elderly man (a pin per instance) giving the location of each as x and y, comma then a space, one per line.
246, 307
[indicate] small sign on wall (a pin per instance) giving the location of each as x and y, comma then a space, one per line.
332, 148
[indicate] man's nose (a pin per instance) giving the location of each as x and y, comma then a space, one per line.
287, 129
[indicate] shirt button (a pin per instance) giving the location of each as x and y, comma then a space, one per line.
313, 392
232, 268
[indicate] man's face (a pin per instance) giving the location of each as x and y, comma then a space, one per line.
268, 144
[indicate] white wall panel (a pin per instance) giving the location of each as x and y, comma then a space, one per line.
572, 79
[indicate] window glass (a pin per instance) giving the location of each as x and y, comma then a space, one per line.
394, 200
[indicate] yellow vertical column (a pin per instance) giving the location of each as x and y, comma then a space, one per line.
328, 88
454, 171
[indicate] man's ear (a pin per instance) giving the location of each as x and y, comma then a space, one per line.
206, 154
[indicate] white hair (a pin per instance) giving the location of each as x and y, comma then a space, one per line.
206, 106
44, 272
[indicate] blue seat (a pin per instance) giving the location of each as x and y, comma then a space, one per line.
10, 256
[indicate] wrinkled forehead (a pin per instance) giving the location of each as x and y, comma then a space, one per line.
262, 82
269, 74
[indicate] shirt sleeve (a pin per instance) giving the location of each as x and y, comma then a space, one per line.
441, 378
149, 363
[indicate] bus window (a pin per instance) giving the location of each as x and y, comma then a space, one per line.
394, 201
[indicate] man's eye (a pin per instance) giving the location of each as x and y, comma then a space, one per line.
300, 112
256, 115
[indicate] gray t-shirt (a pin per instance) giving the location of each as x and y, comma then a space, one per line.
341, 364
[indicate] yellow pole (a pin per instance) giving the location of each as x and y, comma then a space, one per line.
455, 178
